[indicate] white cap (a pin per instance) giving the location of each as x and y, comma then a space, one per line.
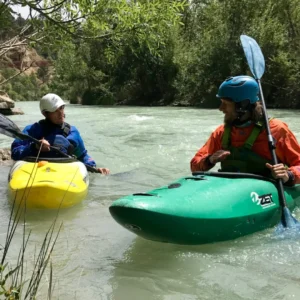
51, 102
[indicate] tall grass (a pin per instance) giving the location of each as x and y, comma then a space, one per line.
14, 282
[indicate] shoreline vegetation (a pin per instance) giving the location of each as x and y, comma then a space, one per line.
143, 53
5, 157
20, 274
16, 281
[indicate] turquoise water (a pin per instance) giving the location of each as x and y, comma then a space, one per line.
95, 258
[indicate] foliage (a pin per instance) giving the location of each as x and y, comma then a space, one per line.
55, 22
114, 25
70, 79
132, 74
144, 78
162, 51
23, 87
209, 49
193, 59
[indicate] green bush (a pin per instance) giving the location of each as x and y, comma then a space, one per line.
23, 87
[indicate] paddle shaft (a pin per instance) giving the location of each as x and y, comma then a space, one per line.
272, 147
23, 136
256, 63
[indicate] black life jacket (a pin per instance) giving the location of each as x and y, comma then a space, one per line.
66, 128
46, 125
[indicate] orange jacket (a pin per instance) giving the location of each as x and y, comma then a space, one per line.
287, 147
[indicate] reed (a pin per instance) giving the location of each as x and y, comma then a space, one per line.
14, 282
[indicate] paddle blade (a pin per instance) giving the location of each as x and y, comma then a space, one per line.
8, 127
290, 223
254, 56
289, 220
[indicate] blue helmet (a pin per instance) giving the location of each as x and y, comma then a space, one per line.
239, 88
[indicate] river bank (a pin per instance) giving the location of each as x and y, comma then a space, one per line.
5, 158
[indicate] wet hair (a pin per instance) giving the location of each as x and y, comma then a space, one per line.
258, 113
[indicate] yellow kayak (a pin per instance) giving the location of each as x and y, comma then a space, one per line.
48, 184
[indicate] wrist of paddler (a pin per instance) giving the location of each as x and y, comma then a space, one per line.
290, 181
208, 162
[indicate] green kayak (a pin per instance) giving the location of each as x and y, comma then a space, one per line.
204, 208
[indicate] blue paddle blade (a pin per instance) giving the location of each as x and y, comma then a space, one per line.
289, 219
254, 56
289, 222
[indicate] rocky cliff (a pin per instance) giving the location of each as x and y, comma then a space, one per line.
24, 59
18, 63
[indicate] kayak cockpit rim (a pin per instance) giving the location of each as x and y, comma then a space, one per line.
232, 175
50, 159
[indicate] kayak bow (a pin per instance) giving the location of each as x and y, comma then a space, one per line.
51, 183
203, 208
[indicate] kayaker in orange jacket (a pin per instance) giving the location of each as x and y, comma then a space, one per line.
241, 143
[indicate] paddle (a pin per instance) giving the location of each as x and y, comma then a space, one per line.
9, 128
256, 63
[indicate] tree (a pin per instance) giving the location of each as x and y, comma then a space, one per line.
209, 50
53, 25
54, 22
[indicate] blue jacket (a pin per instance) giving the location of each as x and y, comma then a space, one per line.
52, 133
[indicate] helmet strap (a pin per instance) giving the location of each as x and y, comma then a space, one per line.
244, 111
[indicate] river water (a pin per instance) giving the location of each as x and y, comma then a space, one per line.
95, 258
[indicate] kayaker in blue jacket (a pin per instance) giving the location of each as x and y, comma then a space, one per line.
53, 131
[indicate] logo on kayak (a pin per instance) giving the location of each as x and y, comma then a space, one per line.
264, 200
